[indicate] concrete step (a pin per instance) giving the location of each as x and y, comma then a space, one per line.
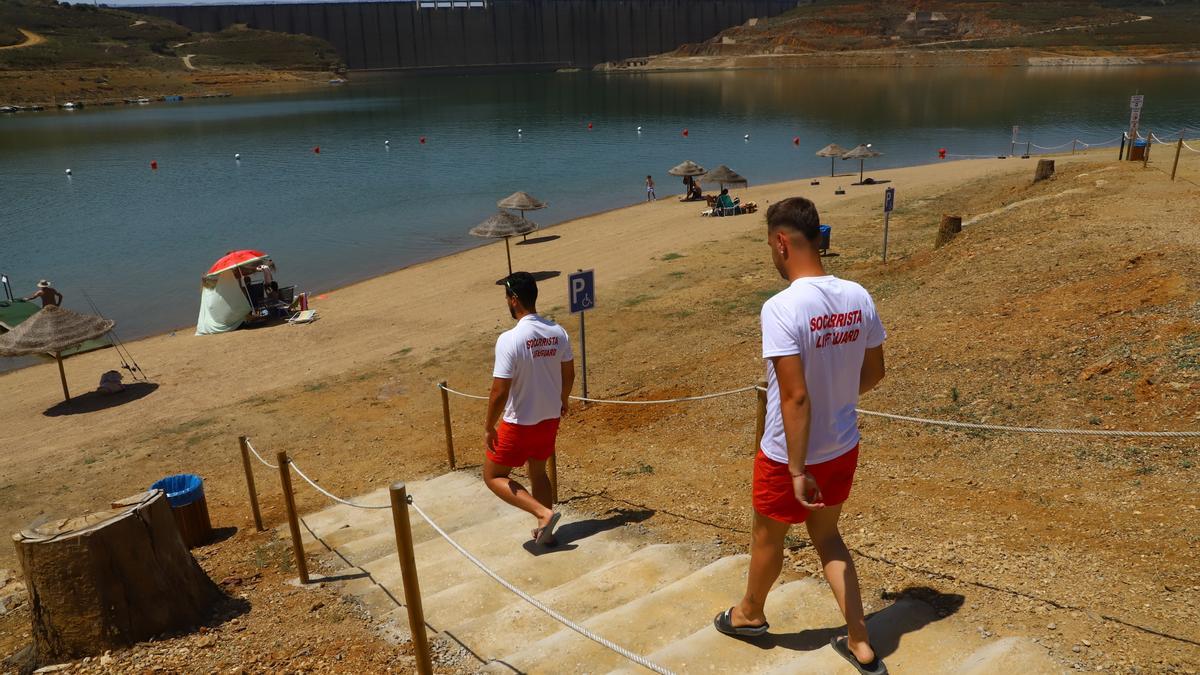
1009, 655
599, 590
643, 625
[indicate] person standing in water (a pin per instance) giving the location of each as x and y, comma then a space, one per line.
48, 294
823, 344
531, 384
650, 196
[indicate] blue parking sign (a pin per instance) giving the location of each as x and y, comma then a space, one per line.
889, 200
581, 291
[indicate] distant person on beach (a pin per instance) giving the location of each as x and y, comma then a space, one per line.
531, 383
697, 193
823, 344
48, 294
650, 196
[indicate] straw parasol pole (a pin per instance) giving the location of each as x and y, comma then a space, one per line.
832, 151
504, 225
51, 331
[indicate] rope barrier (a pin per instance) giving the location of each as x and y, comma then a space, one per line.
1033, 430
259, 457
334, 497
1190, 148
681, 399
1052, 148
636, 658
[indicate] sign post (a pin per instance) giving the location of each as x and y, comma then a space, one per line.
1135, 116
1012, 149
889, 202
581, 296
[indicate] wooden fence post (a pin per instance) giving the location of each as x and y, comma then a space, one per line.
244, 443
289, 501
408, 572
446, 423
760, 419
1149, 144
1178, 149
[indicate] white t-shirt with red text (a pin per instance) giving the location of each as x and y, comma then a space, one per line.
531, 354
829, 323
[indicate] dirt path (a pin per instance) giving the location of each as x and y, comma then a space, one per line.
32, 39
187, 62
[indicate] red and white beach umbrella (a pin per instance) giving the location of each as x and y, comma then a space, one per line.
235, 259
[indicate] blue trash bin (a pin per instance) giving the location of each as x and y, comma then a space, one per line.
185, 494
823, 240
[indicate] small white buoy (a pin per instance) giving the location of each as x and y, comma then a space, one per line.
237, 156
68, 172
639, 130
746, 137
519, 131
387, 142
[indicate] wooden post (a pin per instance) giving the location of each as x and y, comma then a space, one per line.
446, 424
62, 374
1045, 169
1073, 145
760, 418
1178, 149
552, 471
950, 227
289, 501
408, 572
1121, 151
245, 444
1146, 152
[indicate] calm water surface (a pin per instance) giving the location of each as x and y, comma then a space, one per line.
138, 240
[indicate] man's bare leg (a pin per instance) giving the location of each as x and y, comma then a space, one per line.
496, 477
766, 562
842, 577
539, 483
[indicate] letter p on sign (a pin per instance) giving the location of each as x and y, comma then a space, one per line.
581, 291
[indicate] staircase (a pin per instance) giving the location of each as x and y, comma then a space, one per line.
607, 574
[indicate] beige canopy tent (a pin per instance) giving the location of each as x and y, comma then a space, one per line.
832, 151
504, 225
53, 330
723, 175
861, 153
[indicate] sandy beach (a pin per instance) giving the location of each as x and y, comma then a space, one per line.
1074, 308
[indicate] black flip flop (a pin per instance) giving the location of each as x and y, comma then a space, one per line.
875, 667
723, 622
546, 534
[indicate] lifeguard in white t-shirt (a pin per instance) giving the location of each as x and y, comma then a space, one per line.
531, 383
823, 346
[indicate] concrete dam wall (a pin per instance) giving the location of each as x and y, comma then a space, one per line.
506, 33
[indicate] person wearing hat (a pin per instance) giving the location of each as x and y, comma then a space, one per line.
531, 383
47, 293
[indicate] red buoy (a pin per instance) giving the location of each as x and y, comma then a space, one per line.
685, 133
589, 125
941, 153
422, 140
317, 150
154, 165
796, 141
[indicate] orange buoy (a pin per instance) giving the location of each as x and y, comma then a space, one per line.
154, 165
422, 140
796, 141
317, 150
941, 153
589, 125
685, 133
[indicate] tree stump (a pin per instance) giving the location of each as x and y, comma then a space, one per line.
950, 227
1045, 169
107, 580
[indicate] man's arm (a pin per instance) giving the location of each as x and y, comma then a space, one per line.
796, 410
496, 400
568, 382
872, 370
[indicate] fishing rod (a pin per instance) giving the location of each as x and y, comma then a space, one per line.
118, 345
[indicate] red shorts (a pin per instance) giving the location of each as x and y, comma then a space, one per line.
519, 443
775, 498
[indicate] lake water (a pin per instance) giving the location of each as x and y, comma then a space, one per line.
138, 240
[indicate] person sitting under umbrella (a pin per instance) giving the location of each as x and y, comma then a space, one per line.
47, 293
727, 203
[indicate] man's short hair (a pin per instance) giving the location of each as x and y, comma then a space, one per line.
795, 214
523, 286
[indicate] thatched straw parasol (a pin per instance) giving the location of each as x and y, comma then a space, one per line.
51, 331
521, 201
504, 224
687, 168
861, 153
832, 151
723, 175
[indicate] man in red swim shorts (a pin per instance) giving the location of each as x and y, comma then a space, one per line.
531, 383
823, 344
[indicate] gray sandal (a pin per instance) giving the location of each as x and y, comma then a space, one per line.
723, 622
842, 648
